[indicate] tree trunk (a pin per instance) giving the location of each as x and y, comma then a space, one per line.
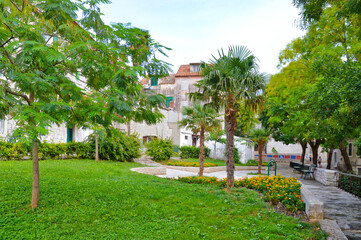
96, 147
345, 157
329, 158
260, 153
231, 126
201, 153
314, 146
215, 150
304, 147
35, 191
128, 127
35, 188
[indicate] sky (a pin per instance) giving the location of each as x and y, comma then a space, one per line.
196, 29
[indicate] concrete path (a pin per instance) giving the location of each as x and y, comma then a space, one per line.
145, 160
338, 204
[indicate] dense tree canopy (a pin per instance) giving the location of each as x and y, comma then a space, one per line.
60, 63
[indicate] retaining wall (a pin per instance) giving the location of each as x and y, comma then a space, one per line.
325, 176
314, 207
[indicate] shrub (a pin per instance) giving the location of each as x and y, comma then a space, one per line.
252, 162
9, 150
51, 150
276, 189
235, 155
193, 152
160, 149
116, 145
80, 150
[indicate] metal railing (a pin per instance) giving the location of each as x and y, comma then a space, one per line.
349, 183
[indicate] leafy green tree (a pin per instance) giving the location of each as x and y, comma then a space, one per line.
200, 119
261, 137
231, 78
44, 47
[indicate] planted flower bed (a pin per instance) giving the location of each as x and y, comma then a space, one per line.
276, 189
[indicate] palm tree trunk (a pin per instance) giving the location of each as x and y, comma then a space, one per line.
345, 157
201, 153
260, 153
231, 126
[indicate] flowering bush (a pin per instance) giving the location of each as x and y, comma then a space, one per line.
190, 164
199, 180
276, 189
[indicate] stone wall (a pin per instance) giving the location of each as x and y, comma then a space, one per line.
314, 207
325, 176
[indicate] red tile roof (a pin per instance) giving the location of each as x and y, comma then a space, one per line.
184, 71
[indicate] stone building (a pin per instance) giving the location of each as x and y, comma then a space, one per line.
175, 88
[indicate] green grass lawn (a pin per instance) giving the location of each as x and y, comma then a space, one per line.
81, 199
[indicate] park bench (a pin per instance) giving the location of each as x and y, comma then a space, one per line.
310, 170
296, 166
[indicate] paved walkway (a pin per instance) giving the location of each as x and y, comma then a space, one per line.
338, 204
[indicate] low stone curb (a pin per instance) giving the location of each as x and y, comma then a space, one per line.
314, 207
332, 229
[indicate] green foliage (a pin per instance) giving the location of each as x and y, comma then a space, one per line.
252, 162
76, 193
192, 152
276, 189
160, 149
199, 118
10, 151
116, 146
235, 155
80, 150
52, 150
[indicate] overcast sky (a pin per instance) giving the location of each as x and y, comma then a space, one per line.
195, 29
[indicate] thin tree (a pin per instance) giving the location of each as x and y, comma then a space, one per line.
231, 78
200, 119
216, 135
261, 137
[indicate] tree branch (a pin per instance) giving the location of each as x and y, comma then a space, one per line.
19, 95
16, 6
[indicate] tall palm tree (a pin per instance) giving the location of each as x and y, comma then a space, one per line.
200, 119
261, 137
228, 79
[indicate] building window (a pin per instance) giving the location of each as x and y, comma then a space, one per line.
186, 137
194, 67
147, 139
2, 126
350, 149
55, 38
153, 81
69, 136
169, 102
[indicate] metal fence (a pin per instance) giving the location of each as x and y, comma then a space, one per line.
350, 183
